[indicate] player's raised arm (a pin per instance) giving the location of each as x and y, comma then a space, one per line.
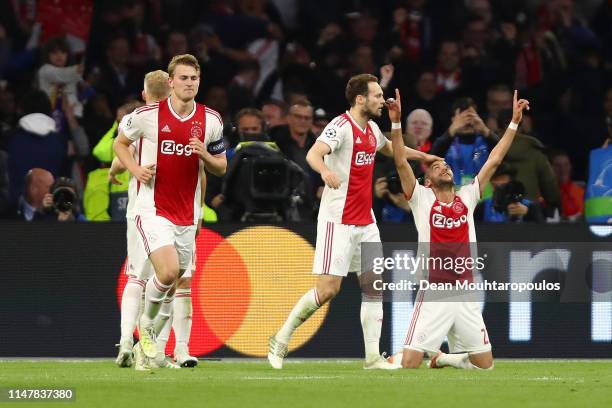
404, 170
315, 160
499, 151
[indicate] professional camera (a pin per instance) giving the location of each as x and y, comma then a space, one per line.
394, 183
64, 194
509, 193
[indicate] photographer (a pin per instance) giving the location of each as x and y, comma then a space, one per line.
395, 207
61, 203
508, 203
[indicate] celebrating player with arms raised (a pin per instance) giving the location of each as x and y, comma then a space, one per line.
444, 217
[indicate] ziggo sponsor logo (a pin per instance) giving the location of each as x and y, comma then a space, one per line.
441, 221
243, 288
363, 158
171, 147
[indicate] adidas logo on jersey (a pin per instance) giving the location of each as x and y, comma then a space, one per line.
166, 129
438, 208
441, 221
358, 140
363, 158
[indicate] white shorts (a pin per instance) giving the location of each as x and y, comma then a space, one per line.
138, 263
338, 249
156, 232
434, 320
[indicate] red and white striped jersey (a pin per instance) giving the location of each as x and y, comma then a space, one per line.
446, 228
162, 138
353, 150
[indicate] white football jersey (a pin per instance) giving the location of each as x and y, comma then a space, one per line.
353, 150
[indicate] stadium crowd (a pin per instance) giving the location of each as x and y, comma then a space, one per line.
276, 71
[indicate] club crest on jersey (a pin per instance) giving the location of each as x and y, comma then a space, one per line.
458, 207
171, 147
372, 140
363, 158
196, 129
441, 221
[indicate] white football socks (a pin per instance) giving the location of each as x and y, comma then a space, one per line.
371, 322
130, 304
303, 309
155, 293
181, 322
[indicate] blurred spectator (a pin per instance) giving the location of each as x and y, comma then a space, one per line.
527, 157
427, 97
176, 43
418, 130
467, 142
55, 77
572, 195
413, 29
116, 79
35, 142
448, 70
216, 98
295, 139
321, 119
241, 91
36, 191
274, 112
508, 203
499, 98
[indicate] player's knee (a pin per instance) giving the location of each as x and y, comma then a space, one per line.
410, 363
485, 365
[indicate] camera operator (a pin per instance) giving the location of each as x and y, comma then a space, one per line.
508, 203
62, 202
261, 183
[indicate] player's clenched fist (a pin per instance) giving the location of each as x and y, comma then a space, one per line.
197, 146
330, 179
144, 174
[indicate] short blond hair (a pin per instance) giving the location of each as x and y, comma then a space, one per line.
183, 59
156, 85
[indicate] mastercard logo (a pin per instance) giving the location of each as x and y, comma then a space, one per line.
244, 287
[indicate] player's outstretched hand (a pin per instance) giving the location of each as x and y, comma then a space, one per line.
517, 107
145, 173
330, 179
395, 107
197, 146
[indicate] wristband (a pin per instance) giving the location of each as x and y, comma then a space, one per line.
513, 126
396, 125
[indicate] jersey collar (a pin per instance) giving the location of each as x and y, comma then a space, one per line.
176, 115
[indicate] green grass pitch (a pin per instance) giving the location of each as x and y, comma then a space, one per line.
245, 384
